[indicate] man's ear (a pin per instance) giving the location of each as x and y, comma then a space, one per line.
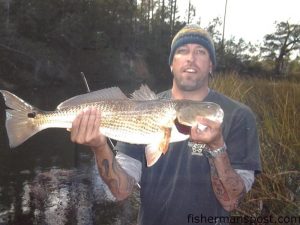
171, 68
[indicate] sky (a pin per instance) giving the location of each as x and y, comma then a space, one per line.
247, 19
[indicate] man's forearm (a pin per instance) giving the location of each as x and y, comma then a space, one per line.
228, 186
118, 181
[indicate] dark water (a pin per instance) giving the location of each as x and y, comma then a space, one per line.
49, 180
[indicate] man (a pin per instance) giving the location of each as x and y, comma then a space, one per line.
199, 180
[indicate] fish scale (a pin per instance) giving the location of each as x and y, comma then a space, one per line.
137, 126
128, 121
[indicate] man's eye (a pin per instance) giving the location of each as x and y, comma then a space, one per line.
181, 51
201, 51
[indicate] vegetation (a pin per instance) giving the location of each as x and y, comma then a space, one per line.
279, 45
276, 191
50, 42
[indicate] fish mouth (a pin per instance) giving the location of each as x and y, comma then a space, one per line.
182, 128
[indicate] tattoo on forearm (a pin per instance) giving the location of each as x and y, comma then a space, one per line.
230, 188
217, 184
113, 176
219, 189
235, 183
105, 168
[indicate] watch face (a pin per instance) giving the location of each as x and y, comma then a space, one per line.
214, 153
207, 154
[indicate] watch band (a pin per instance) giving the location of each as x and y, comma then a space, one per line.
214, 153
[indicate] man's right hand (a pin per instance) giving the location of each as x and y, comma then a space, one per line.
86, 129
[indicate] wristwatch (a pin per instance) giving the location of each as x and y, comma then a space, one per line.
214, 153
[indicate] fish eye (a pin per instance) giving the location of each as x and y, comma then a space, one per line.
31, 115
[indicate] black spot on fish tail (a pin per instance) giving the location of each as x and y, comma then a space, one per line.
31, 115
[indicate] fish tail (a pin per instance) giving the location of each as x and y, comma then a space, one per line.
20, 119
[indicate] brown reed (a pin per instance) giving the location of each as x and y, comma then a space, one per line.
276, 104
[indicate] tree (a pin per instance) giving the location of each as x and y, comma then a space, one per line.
279, 45
191, 12
173, 10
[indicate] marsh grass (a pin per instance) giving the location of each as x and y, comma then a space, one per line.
276, 104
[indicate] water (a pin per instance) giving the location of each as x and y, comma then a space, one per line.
49, 180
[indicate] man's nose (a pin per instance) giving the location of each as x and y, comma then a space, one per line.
191, 56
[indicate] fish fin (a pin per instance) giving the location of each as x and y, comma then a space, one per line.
143, 93
95, 96
154, 151
19, 119
164, 144
152, 154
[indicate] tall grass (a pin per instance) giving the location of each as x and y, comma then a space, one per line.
276, 104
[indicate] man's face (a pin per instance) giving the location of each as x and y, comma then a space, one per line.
191, 66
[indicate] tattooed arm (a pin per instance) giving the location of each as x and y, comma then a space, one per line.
228, 186
118, 181
85, 130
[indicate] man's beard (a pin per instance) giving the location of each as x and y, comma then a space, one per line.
184, 85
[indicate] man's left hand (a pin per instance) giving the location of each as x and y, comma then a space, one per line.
210, 135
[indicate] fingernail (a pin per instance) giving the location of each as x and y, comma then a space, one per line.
201, 127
